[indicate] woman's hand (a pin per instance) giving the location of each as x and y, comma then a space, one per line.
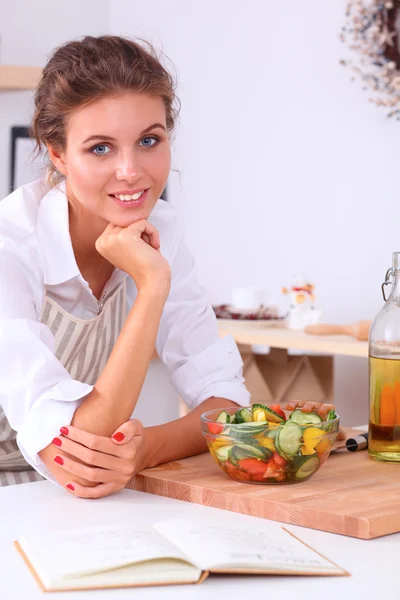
317, 407
109, 462
136, 250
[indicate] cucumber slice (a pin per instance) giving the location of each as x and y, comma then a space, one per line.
245, 431
271, 433
223, 417
247, 451
307, 468
223, 453
255, 406
270, 414
288, 440
303, 418
244, 415
253, 427
331, 415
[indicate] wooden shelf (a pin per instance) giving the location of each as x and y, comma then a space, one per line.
14, 78
252, 334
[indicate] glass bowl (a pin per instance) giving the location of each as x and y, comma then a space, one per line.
266, 452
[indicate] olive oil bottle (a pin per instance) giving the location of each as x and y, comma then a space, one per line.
384, 372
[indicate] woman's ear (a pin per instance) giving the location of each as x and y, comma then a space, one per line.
58, 159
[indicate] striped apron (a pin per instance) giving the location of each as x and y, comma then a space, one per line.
83, 348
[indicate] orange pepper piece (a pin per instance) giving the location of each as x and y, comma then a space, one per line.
388, 406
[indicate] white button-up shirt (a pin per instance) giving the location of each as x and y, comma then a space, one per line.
36, 257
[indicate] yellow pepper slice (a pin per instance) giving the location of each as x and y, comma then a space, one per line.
218, 443
323, 446
259, 415
306, 451
312, 436
266, 442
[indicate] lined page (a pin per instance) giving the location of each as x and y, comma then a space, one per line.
74, 552
252, 544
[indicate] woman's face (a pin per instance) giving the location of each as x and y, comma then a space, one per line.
117, 157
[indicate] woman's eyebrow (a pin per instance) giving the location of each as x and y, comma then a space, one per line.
154, 126
108, 138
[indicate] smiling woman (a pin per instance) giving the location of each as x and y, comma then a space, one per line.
95, 274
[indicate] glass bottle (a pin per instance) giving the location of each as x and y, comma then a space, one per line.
384, 372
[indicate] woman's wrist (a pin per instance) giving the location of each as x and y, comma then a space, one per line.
146, 457
155, 288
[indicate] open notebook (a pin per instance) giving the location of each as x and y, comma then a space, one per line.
173, 551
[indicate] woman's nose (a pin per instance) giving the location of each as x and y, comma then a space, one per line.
128, 168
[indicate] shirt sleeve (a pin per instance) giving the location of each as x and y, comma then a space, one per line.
37, 394
201, 365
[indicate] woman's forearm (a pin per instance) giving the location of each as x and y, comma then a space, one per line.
179, 438
118, 387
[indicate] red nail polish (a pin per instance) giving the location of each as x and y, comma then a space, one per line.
119, 436
58, 460
70, 486
57, 442
64, 431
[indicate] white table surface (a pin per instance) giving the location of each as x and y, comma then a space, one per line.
373, 564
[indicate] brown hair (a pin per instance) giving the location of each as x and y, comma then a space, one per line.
82, 71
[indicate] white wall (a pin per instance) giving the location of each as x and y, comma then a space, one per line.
284, 165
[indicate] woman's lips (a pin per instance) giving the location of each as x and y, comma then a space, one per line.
131, 203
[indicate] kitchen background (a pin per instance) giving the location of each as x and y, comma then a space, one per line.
284, 166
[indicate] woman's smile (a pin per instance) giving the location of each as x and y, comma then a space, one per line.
133, 199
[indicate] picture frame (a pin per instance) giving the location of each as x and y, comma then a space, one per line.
24, 167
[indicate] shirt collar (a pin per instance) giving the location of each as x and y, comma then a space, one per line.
54, 238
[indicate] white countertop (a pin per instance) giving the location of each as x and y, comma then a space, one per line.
372, 563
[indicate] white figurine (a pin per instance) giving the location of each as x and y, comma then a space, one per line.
302, 311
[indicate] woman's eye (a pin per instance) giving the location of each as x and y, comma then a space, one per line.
148, 142
100, 150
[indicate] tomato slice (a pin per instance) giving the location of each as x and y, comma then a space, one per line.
277, 408
254, 466
279, 461
215, 428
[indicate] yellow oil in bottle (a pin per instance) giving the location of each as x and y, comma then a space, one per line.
384, 425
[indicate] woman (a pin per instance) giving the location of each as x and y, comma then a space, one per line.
95, 274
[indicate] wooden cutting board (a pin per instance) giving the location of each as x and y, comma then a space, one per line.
350, 495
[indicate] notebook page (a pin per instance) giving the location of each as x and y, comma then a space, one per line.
67, 553
261, 544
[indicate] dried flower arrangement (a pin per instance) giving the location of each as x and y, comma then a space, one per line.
372, 29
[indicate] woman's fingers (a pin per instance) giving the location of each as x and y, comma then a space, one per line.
106, 464
145, 231
152, 236
89, 440
146, 238
100, 491
292, 405
127, 431
92, 457
319, 407
93, 474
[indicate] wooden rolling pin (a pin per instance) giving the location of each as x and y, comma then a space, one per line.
359, 330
